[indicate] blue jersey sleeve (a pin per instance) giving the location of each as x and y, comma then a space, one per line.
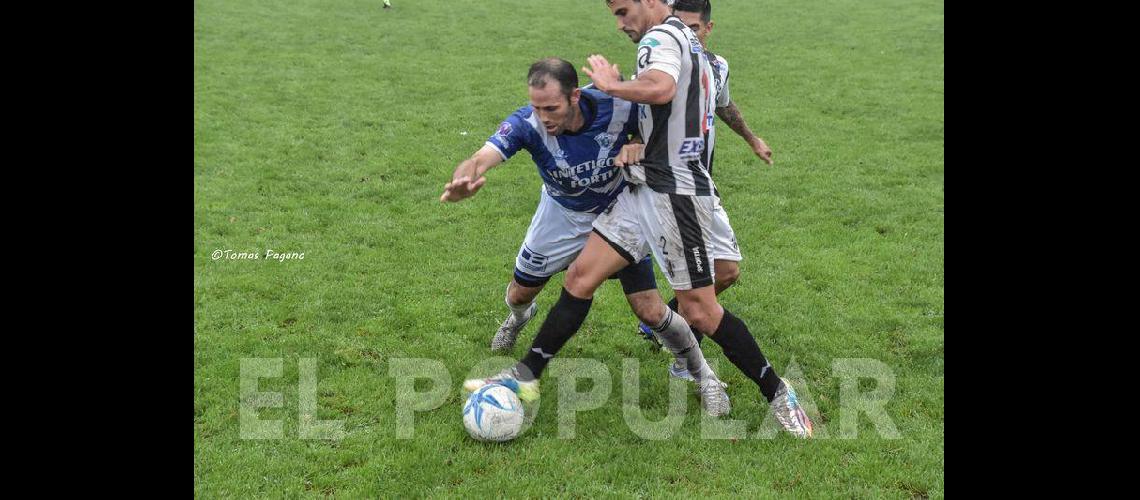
513, 134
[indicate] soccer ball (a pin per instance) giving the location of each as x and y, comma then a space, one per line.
493, 413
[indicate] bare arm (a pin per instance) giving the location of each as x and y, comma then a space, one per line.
731, 116
650, 87
468, 176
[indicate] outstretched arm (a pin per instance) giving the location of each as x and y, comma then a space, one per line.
468, 176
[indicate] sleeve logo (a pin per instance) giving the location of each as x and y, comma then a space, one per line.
695, 45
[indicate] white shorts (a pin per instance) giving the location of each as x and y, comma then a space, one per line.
724, 245
556, 236
676, 228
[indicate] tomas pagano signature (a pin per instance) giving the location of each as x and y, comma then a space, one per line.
269, 254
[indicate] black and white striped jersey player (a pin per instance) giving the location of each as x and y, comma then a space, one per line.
671, 188
697, 15
666, 211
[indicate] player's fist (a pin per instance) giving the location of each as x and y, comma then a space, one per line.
630, 154
762, 150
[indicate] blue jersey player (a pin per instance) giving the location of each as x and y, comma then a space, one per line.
572, 135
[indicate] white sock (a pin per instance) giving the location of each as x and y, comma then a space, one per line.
519, 312
678, 338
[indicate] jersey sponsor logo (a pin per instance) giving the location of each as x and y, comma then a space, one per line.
691, 148
606, 140
532, 260
649, 42
643, 54
581, 176
572, 172
593, 179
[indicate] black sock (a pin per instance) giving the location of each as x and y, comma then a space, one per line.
673, 305
561, 323
740, 348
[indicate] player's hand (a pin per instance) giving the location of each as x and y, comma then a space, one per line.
604, 74
762, 150
461, 188
630, 154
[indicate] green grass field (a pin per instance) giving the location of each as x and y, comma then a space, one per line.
330, 127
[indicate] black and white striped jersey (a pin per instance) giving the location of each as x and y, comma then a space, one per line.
720, 71
677, 134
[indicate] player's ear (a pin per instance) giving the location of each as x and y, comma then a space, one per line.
575, 95
709, 27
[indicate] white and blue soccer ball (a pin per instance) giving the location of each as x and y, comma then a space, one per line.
493, 413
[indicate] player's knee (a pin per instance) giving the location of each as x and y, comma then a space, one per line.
579, 283
727, 275
704, 323
697, 317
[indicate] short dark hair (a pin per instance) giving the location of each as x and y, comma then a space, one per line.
559, 70
702, 6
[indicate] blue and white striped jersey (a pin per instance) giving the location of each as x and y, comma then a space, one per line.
577, 169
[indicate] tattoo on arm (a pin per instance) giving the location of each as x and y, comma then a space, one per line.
731, 116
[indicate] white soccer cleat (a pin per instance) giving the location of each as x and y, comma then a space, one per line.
714, 399
789, 412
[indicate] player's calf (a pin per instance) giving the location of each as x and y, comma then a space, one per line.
647, 306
